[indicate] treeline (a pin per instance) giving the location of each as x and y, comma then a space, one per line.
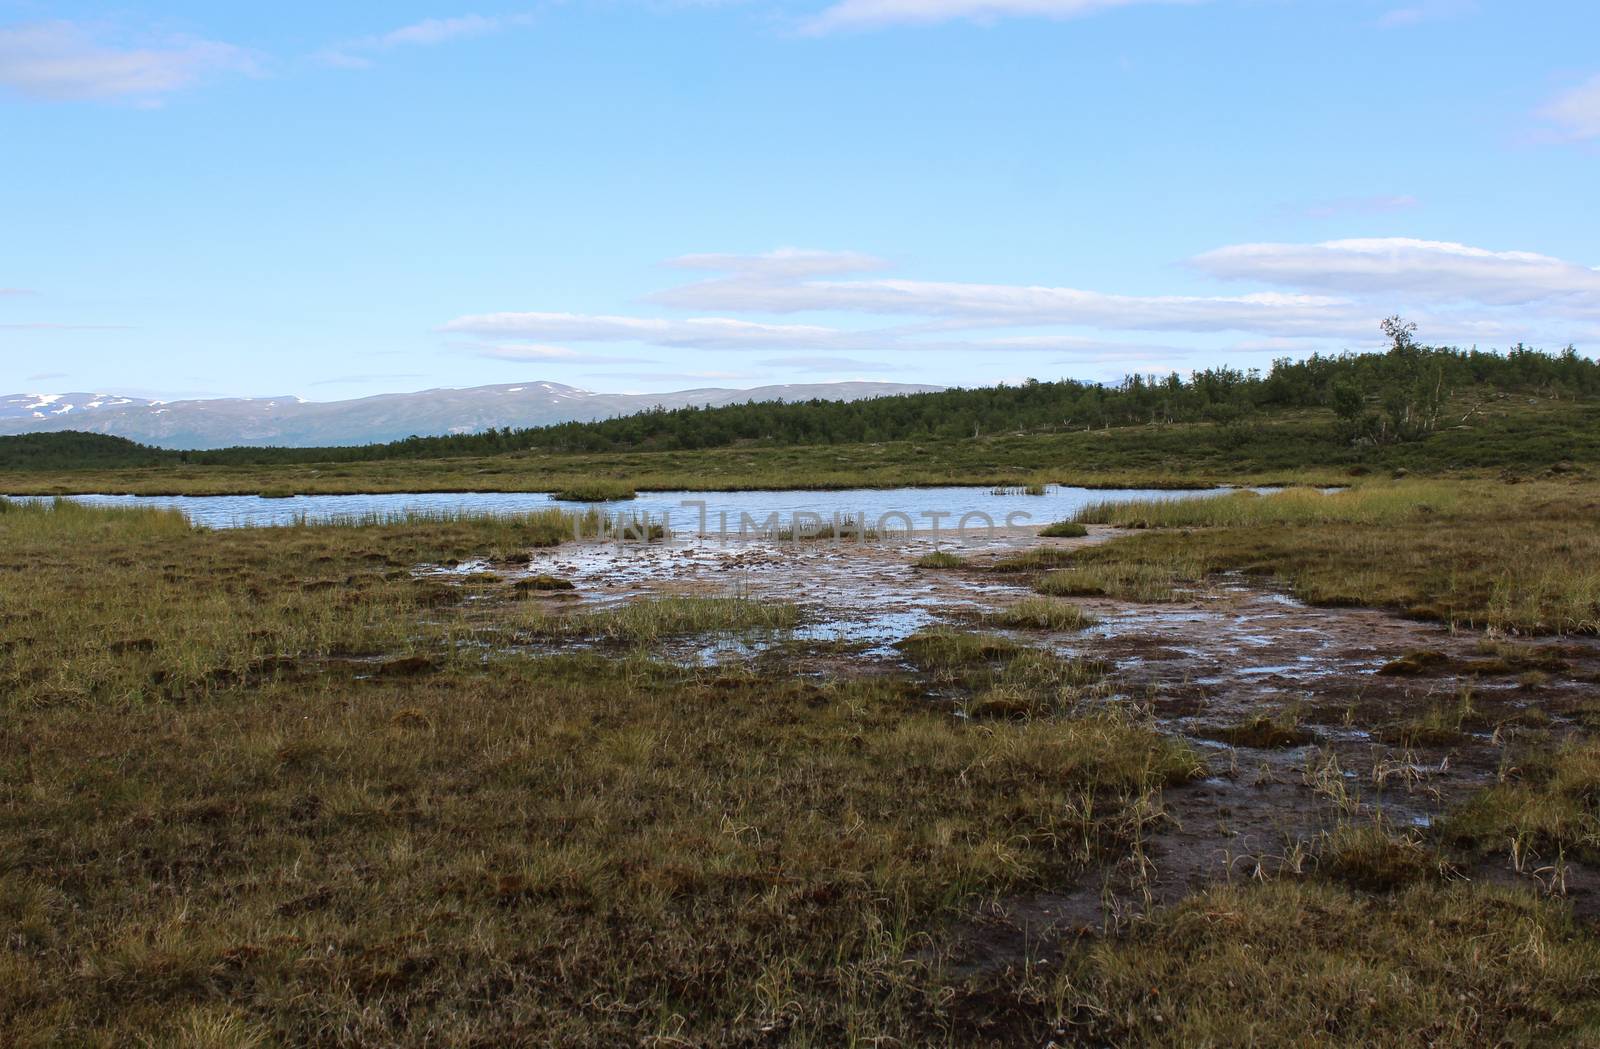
1376, 394
71, 450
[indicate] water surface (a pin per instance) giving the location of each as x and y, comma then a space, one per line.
917, 504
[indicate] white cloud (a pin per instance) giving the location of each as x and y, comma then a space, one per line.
870, 14
831, 365
1333, 295
1421, 270
721, 333
537, 352
680, 376
438, 30
426, 33
62, 61
1576, 111
529, 353
1004, 305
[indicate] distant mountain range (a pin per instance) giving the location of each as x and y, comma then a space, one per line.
294, 423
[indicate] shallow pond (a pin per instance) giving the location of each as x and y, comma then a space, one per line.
684, 511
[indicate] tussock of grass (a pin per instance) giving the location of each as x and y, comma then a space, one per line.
943, 647
647, 620
1043, 614
542, 583
1152, 581
1370, 857
1064, 530
1415, 664
1266, 732
596, 490
1441, 725
941, 559
1547, 804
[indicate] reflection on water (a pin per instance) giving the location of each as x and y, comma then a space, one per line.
920, 505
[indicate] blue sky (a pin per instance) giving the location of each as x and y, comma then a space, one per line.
336, 200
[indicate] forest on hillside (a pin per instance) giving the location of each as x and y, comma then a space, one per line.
1386, 397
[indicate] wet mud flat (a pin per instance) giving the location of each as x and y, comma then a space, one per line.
1309, 718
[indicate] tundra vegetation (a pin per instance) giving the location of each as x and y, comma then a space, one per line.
383, 782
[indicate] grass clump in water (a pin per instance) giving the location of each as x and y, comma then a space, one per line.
1267, 732
646, 620
542, 583
944, 648
1152, 581
1043, 613
1440, 726
1416, 664
941, 559
597, 490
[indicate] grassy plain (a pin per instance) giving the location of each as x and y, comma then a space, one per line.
327, 785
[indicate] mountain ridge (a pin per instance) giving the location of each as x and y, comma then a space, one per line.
292, 422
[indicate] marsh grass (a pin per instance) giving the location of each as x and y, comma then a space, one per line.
1374, 857
1369, 504
1034, 559
1454, 965
595, 490
1267, 731
1042, 613
124, 606
1544, 806
1522, 557
1095, 572
1154, 581
484, 848
1064, 530
941, 559
647, 620
994, 676
944, 648
224, 823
